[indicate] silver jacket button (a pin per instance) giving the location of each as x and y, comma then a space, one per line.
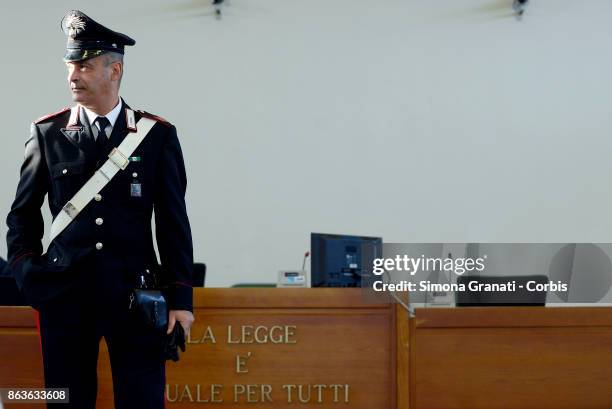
98, 197
134, 175
99, 221
99, 246
64, 171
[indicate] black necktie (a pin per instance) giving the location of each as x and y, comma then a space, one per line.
102, 130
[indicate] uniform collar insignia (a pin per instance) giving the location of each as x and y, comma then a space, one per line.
130, 120
73, 121
77, 132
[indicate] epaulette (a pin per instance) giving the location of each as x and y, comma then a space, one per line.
155, 117
53, 115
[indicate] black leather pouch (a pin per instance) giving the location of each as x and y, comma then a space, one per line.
151, 307
150, 304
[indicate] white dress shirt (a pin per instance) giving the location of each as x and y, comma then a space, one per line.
111, 116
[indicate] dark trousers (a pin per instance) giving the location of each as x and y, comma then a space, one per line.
71, 331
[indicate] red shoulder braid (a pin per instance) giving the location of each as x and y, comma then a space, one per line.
154, 117
43, 118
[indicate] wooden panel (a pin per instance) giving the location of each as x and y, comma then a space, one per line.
412, 366
284, 298
492, 317
347, 348
339, 340
513, 358
18, 317
403, 357
20, 351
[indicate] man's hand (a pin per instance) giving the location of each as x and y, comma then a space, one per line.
184, 317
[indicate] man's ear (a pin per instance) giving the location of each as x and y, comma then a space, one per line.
116, 71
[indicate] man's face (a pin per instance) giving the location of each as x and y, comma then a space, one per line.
90, 80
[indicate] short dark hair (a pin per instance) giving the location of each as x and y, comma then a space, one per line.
113, 57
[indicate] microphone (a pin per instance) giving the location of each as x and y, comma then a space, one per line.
305, 257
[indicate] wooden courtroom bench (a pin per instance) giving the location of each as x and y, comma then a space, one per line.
329, 348
261, 347
511, 357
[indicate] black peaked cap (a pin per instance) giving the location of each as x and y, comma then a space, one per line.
88, 38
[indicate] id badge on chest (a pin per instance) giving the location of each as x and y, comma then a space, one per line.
135, 189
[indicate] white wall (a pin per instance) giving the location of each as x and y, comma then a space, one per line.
417, 121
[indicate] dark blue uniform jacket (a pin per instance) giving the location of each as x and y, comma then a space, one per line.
110, 242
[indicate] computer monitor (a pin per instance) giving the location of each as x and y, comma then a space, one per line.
341, 260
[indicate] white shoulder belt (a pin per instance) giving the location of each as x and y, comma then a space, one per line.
117, 160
